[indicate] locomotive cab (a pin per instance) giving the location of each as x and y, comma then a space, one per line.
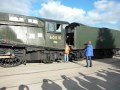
70, 40
70, 29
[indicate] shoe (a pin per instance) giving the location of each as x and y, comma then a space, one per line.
90, 66
86, 66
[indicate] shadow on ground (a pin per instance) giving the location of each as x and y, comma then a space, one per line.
50, 85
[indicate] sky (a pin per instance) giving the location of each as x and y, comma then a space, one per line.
95, 13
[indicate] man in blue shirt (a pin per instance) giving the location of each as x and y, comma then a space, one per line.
89, 53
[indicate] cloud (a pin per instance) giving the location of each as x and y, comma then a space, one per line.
16, 6
107, 12
104, 12
55, 10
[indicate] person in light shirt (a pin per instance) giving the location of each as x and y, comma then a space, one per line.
66, 54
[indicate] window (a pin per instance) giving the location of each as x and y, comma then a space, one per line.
33, 21
16, 18
54, 27
58, 27
51, 27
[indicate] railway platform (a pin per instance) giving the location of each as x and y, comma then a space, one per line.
104, 75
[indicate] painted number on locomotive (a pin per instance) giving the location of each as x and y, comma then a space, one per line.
55, 37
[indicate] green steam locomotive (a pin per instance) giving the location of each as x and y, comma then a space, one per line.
30, 39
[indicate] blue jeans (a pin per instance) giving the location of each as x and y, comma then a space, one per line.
88, 58
66, 58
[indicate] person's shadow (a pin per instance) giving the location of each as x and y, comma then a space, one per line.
89, 83
112, 79
3, 88
23, 87
70, 84
50, 85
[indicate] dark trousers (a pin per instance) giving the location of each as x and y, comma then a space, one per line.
90, 60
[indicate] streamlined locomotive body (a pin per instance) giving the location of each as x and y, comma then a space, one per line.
29, 39
24, 38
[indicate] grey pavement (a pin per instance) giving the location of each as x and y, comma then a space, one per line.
104, 75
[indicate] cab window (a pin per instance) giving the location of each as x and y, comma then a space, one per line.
58, 27
51, 27
54, 27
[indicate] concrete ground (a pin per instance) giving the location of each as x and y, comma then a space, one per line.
104, 75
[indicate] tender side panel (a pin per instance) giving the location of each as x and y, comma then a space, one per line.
102, 38
83, 34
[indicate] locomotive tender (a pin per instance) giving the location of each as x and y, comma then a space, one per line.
25, 39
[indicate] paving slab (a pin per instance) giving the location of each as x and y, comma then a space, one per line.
104, 75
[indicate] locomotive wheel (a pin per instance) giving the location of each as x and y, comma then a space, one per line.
11, 57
